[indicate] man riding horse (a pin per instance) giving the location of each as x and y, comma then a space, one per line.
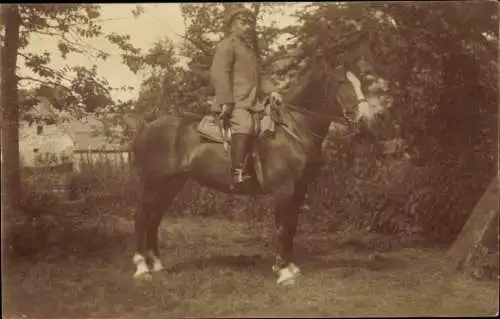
171, 150
239, 90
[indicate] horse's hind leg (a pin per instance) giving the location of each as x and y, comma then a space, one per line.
156, 198
167, 193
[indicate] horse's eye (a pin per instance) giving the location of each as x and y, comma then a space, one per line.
367, 77
339, 74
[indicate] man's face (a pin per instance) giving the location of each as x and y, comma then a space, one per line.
241, 25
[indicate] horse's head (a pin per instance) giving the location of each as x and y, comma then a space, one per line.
342, 84
353, 82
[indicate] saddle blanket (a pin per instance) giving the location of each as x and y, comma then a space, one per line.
210, 129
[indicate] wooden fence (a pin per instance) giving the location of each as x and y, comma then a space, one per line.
104, 171
115, 161
103, 174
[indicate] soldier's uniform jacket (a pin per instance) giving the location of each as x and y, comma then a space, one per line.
235, 76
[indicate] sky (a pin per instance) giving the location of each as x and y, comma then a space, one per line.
158, 21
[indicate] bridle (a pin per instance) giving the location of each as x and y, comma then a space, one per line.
345, 119
341, 119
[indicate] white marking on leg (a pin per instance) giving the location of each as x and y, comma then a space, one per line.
157, 264
142, 267
288, 274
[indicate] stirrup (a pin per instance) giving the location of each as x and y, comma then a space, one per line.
240, 176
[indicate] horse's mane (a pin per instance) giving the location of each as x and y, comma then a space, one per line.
291, 72
306, 66
298, 72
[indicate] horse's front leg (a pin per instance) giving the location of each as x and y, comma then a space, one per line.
286, 228
286, 218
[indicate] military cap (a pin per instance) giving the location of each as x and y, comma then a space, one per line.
228, 19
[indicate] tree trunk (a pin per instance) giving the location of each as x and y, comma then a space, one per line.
11, 173
255, 36
481, 222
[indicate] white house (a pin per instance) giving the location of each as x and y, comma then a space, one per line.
92, 145
44, 142
56, 138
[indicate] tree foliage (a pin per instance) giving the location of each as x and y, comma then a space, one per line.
81, 88
441, 60
164, 77
77, 89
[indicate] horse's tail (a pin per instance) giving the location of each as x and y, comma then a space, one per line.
134, 127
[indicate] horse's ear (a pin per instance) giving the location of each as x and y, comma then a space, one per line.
318, 68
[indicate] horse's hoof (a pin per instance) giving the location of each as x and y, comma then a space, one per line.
156, 264
288, 282
158, 267
145, 276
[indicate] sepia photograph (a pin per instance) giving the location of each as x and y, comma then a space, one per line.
249, 159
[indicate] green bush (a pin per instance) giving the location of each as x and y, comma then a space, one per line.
103, 181
46, 220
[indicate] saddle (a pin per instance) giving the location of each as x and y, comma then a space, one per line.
211, 130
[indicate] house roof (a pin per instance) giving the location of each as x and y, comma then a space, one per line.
44, 111
88, 133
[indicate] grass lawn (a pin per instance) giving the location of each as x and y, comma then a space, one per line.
222, 268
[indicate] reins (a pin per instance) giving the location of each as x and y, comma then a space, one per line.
342, 120
315, 114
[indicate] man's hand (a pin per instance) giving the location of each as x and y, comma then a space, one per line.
225, 114
227, 110
275, 98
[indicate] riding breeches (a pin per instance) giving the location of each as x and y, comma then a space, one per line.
243, 121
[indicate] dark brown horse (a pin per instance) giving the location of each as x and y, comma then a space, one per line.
169, 151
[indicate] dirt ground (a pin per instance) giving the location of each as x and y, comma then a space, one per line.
222, 268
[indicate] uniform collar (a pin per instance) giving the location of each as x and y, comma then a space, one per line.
245, 40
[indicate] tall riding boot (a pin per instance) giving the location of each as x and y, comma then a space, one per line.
239, 147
